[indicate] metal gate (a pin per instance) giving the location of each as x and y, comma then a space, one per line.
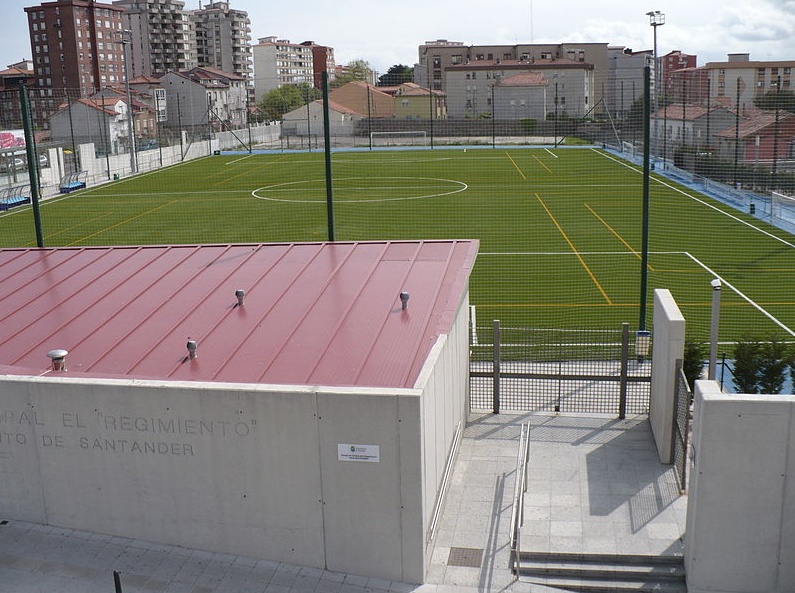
560, 370
681, 430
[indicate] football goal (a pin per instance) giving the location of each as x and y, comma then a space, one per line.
782, 208
405, 138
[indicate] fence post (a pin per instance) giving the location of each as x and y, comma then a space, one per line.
495, 365
622, 395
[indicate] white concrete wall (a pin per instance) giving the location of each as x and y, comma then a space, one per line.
741, 503
668, 347
253, 470
445, 404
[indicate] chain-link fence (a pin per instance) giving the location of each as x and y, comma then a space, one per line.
555, 370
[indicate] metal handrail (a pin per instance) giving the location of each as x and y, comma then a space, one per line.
448, 470
520, 487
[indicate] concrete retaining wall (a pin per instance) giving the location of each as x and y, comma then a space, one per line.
668, 347
741, 503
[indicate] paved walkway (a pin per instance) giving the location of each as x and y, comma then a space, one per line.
595, 485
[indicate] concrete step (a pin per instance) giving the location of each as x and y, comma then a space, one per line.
603, 573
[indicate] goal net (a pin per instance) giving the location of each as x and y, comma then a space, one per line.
782, 208
628, 148
405, 138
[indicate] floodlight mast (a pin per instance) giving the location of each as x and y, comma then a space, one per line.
656, 19
125, 38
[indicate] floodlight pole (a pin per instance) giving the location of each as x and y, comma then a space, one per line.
124, 42
656, 19
327, 141
644, 260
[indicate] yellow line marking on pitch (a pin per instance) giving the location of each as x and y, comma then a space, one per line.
540, 162
616, 235
574, 249
515, 165
123, 222
74, 226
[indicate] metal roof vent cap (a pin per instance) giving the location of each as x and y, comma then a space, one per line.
192, 346
58, 357
404, 300
240, 294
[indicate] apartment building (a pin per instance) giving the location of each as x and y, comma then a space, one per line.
204, 97
742, 80
161, 38
278, 62
471, 87
322, 61
223, 38
435, 57
625, 78
76, 46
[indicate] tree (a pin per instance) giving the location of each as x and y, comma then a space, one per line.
773, 360
356, 70
277, 102
746, 365
396, 75
772, 100
693, 362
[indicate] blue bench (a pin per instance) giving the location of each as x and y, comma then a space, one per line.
73, 181
14, 196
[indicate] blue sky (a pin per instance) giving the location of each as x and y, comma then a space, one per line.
389, 33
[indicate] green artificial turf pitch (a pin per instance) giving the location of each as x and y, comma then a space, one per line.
560, 230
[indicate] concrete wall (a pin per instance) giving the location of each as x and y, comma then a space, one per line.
668, 347
741, 503
255, 470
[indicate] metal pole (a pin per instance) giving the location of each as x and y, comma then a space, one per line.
737, 133
327, 139
622, 389
644, 260
117, 581
495, 365
493, 120
713, 330
776, 133
130, 126
656, 19
33, 162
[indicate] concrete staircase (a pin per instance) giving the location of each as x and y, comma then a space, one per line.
604, 573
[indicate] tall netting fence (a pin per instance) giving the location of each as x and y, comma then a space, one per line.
545, 171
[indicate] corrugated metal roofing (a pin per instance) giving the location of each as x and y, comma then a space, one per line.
314, 314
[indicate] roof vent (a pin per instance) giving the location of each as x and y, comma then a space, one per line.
240, 294
192, 346
404, 300
58, 357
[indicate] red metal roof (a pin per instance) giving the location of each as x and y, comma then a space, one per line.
326, 314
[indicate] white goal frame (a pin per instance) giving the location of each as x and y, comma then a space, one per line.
404, 138
782, 207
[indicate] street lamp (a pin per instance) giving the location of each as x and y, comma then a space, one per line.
656, 19
125, 39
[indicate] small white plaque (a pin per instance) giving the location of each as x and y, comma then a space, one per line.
366, 453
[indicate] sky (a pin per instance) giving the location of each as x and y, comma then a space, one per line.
385, 34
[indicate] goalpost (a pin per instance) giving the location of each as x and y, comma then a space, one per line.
782, 208
406, 138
